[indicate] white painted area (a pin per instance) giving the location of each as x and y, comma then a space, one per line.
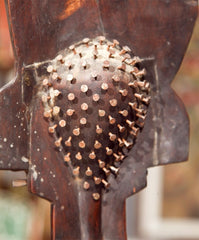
24, 159
34, 172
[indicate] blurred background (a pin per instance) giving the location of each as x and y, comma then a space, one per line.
167, 209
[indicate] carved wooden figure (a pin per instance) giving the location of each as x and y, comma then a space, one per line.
91, 106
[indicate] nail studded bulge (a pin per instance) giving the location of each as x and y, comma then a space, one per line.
95, 98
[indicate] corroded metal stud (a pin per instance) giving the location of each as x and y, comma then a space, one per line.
104, 86
112, 136
68, 64
141, 116
140, 73
127, 144
116, 78
72, 48
56, 110
107, 171
57, 93
60, 58
106, 184
101, 163
111, 53
121, 156
68, 142
131, 124
50, 68
84, 106
101, 113
133, 84
135, 131
58, 142
83, 121
88, 172
94, 75
76, 171
51, 129
67, 157
96, 196
84, 64
106, 64
86, 41
62, 123
76, 131
124, 113
135, 60
139, 96
97, 180
96, 97
122, 67
95, 53
70, 77
71, 96
97, 144
86, 185
109, 151
133, 105
142, 98
123, 92
98, 129
84, 88
113, 102
111, 120
55, 76
117, 157
70, 112
115, 43
126, 56
45, 82
92, 155
124, 50
114, 170
121, 128
45, 98
78, 156
101, 39
121, 143
82, 144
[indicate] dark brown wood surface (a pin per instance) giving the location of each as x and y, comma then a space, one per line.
158, 31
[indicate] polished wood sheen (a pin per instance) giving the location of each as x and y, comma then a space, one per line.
158, 32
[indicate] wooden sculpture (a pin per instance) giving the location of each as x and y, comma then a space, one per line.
91, 107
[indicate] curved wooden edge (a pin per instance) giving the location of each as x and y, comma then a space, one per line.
168, 26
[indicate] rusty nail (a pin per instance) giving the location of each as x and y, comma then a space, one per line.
84, 106
67, 157
71, 96
68, 142
86, 185
101, 163
51, 129
76, 131
70, 112
82, 144
88, 172
58, 142
78, 156
96, 196
113, 102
